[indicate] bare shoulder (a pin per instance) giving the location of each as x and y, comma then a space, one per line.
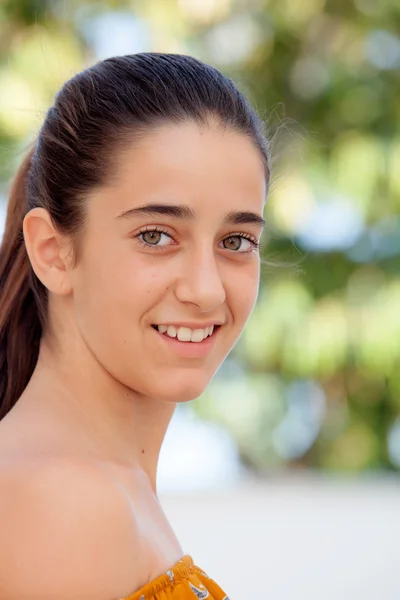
67, 532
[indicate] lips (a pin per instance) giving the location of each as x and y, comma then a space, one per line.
185, 334
187, 349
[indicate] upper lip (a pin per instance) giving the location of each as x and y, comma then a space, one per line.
189, 325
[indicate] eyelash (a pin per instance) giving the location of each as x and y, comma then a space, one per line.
255, 243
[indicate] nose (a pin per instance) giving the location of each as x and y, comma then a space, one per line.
200, 282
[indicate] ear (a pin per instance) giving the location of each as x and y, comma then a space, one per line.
48, 251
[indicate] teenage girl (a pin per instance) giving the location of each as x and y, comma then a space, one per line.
128, 269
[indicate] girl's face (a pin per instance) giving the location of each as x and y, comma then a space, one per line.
170, 255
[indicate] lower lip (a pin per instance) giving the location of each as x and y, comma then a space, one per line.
189, 349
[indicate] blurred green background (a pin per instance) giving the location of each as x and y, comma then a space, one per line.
315, 380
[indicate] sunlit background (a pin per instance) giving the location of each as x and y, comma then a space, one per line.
282, 479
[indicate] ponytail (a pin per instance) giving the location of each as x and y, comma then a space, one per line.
20, 326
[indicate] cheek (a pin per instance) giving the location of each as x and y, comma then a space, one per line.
103, 287
243, 291
109, 304
116, 294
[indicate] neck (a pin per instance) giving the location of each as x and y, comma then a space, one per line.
86, 410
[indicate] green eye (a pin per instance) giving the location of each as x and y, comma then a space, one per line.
155, 238
240, 243
233, 243
151, 237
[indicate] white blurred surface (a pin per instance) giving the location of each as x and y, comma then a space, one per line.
303, 538
196, 455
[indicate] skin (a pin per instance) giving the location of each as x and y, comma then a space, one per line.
106, 385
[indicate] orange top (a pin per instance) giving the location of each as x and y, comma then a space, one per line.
183, 581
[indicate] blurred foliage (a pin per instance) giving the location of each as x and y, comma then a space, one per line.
315, 380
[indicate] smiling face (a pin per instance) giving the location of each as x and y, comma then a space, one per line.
170, 247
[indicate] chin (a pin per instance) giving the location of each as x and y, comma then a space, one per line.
183, 395
186, 389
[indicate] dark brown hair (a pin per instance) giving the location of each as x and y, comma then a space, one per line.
98, 111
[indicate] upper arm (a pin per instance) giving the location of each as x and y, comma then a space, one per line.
66, 533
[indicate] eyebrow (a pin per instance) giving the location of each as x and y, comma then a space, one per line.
182, 211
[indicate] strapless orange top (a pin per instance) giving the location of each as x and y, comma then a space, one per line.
183, 581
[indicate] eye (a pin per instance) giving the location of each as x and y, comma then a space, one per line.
155, 237
240, 243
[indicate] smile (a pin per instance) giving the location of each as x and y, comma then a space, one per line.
185, 334
197, 343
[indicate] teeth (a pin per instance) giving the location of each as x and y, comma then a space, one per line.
171, 331
185, 334
198, 335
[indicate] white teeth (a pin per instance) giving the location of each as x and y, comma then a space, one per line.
198, 335
184, 334
171, 331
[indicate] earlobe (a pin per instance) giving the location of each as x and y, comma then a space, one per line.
44, 246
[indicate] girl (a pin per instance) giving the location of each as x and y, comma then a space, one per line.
128, 269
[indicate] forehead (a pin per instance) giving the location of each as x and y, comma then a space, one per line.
188, 164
